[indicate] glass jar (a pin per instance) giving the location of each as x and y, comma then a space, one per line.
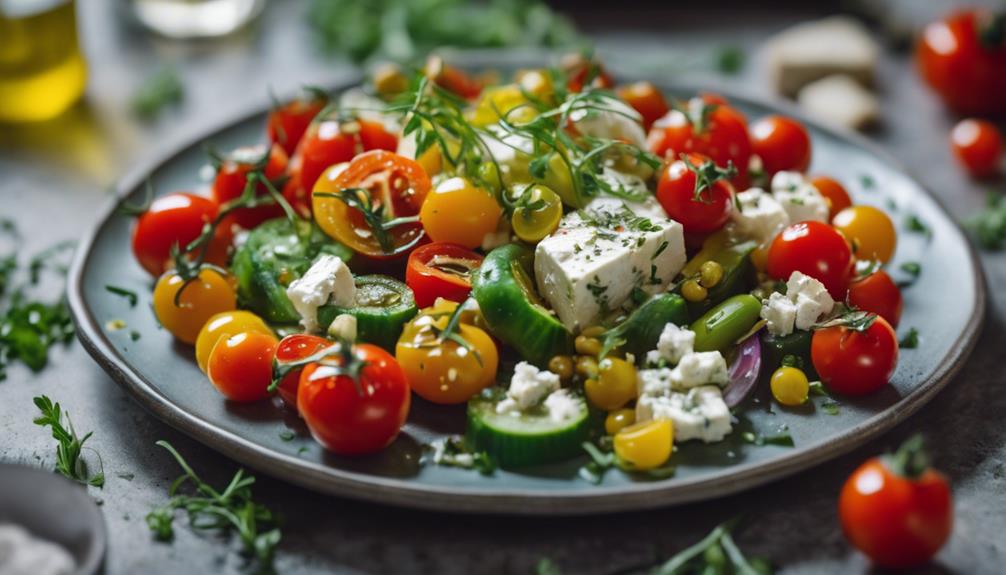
42, 70
196, 18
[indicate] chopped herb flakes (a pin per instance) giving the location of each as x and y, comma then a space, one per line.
914, 224
911, 339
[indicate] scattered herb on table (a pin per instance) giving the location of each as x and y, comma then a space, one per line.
157, 92
911, 339
730, 60
209, 509
989, 225
69, 462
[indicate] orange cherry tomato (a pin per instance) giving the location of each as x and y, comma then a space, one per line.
458, 212
815, 249
355, 416
288, 123
240, 366
177, 219
232, 178
978, 146
207, 295
870, 230
224, 325
293, 348
855, 362
646, 99
834, 193
896, 511
782, 143
877, 293
441, 270
397, 187
581, 71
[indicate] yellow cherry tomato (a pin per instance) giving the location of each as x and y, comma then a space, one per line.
460, 213
502, 101
207, 295
537, 82
645, 445
537, 214
559, 179
224, 325
790, 386
443, 370
870, 230
614, 386
618, 420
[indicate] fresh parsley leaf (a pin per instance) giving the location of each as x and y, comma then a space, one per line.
69, 462
911, 339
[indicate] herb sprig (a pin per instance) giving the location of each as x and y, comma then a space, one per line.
69, 462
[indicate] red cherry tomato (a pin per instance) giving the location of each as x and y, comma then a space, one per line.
877, 293
355, 417
978, 146
815, 249
452, 79
177, 219
332, 141
855, 362
442, 270
294, 192
292, 348
646, 99
240, 367
698, 214
965, 71
722, 135
782, 144
898, 517
288, 122
232, 178
580, 70
834, 192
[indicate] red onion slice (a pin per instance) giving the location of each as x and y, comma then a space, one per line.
743, 371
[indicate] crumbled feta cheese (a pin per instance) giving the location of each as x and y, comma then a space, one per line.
760, 216
699, 413
529, 386
591, 265
653, 381
562, 405
328, 280
699, 368
343, 327
617, 121
801, 200
805, 302
675, 342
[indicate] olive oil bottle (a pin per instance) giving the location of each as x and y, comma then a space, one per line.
42, 70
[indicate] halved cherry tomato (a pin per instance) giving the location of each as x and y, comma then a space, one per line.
834, 193
700, 213
207, 295
443, 370
877, 293
224, 325
782, 144
896, 509
451, 78
964, 68
711, 129
815, 249
292, 348
581, 70
177, 219
459, 212
870, 230
232, 178
855, 361
646, 99
355, 416
442, 270
331, 141
978, 146
397, 187
240, 366
288, 122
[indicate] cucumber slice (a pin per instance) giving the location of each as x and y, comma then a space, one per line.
640, 331
530, 438
273, 256
382, 307
504, 290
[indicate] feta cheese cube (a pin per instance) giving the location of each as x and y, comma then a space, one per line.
760, 216
700, 413
529, 386
841, 101
562, 405
616, 121
699, 368
591, 264
805, 302
327, 281
675, 342
801, 200
780, 313
605, 206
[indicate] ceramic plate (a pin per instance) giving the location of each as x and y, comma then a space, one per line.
946, 305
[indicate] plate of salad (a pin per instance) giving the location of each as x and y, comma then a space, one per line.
527, 291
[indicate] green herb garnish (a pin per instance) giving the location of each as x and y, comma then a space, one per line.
69, 462
160, 90
914, 224
730, 59
130, 295
911, 339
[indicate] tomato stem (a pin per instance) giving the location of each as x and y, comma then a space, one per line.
910, 460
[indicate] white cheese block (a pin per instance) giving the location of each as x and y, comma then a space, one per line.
760, 216
648, 208
812, 50
779, 313
616, 121
589, 267
327, 281
699, 368
699, 413
799, 198
840, 101
675, 342
806, 301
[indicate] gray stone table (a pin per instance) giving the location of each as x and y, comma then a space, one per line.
54, 176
